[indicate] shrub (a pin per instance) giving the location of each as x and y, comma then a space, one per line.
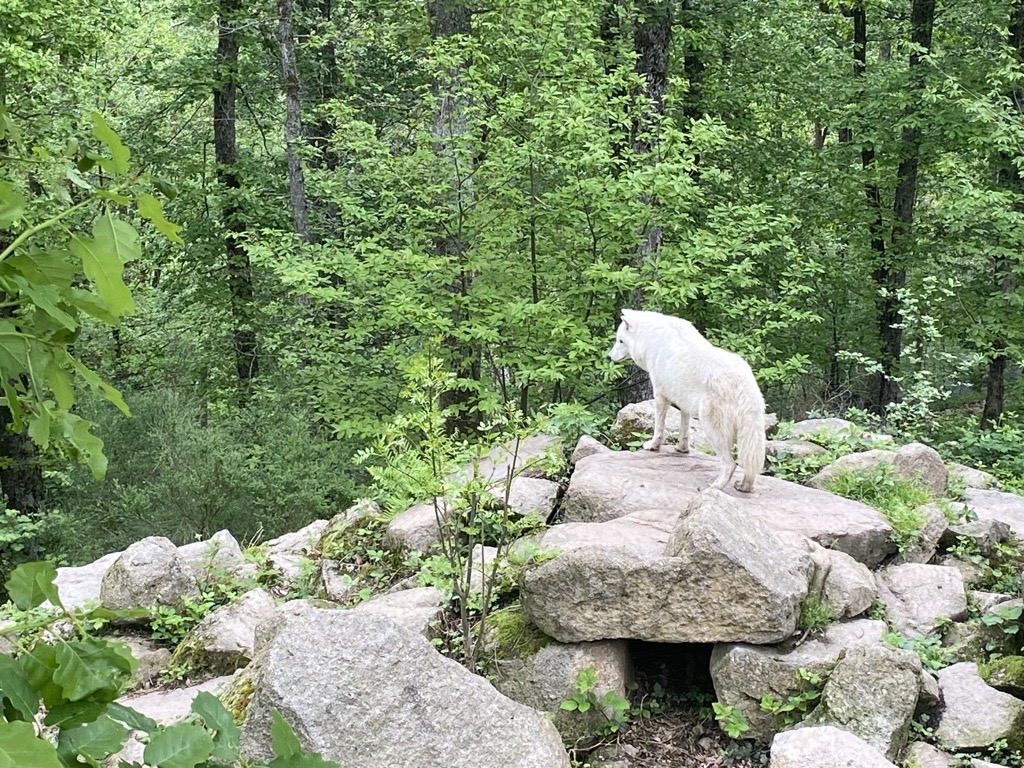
898, 499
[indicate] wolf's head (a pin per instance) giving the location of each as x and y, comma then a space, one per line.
622, 349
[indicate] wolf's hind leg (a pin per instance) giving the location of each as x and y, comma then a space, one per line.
716, 426
660, 409
683, 444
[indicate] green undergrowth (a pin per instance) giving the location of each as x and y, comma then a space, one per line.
800, 469
898, 499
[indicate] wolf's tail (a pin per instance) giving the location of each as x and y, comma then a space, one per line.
750, 437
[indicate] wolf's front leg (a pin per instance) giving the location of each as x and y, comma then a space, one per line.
660, 409
683, 444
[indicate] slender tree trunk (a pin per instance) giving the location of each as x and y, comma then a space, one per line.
652, 37
693, 66
890, 273
293, 120
1010, 176
447, 18
239, 270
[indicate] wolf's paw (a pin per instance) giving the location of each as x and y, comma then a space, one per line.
744, 486
652, 445
683, 447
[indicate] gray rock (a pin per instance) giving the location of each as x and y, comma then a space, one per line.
929, 696
336, 582
975, 478
849, 588
362, 508
972, 573
724, 577
224, 640
996, 505
917, 461
80, 585
148, 574
976, 715
547, 678
831, 427
267, 629
530, 495
644, 532
606, 486
587, 446
218, 555
743, 673
419, 610
172, 706
481, 567
152, 657
357, 688
824, 747
986, 600
872, 693
636, 419
984, 533
792, 449
922, 755
924, 547
917, 596
286, 553
415, 529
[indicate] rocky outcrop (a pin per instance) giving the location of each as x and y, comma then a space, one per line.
286, 553
872, 693
218, 556
724, 576
150, 573
419, 610
995, 505
587, 446
743, 673
974, 478
976, 715
916, 462
924, 546
358, 686
610, 485
824, 747
224, 640
918, 596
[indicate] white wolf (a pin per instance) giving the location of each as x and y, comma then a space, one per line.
697, 377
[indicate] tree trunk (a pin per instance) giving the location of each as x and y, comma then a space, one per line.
890, 273
239, 270
293, 120
447, 18
652, 37
1009, 175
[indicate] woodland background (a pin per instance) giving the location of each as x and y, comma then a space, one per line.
369, 192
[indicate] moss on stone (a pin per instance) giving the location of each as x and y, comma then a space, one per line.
238, 696
1006, 674
512, 636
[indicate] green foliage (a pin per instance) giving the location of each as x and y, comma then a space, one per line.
815, 615
77, 682
1008, 619
730, 719
613, 709
796, 706
1002, 571
956, 437
898, 499
24, 538
171, 625
178, 471
934, 656
836, 444
512, 635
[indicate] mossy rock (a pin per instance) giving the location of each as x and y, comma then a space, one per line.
510, 635
1006, 674
238, 696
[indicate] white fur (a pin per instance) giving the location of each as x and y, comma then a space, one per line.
699, 378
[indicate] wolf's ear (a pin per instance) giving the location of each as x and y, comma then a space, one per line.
626, 314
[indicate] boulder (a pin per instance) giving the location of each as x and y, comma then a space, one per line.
336, 583
172, 706
849, 588
286, 553
150, 573
743, 673
985, 535
824, 747
419, 610
922, 755
924, 547
792, 449
547, 678
930, 695
724, 576
80, 585
1006, 674
415, 529
917, 596
153, 659
872, 693
996, 505
530, 495
832, 427
645, 532
636, 420
587, 446
357, 687
217, 556
610, 485
976, 715
224, 640
975, 478
917, 461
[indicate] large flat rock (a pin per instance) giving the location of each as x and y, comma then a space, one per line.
997, 505
611, 485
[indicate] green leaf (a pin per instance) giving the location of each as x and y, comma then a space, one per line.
71, 714
134, 720
165, 188
40, 664
114, 243
180, 746
118, 151
91, 667
15, 686
48, 299
217, 718
88, 445
31, 584
153, 209
19, 748
96, 740
12, 205
288, 749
